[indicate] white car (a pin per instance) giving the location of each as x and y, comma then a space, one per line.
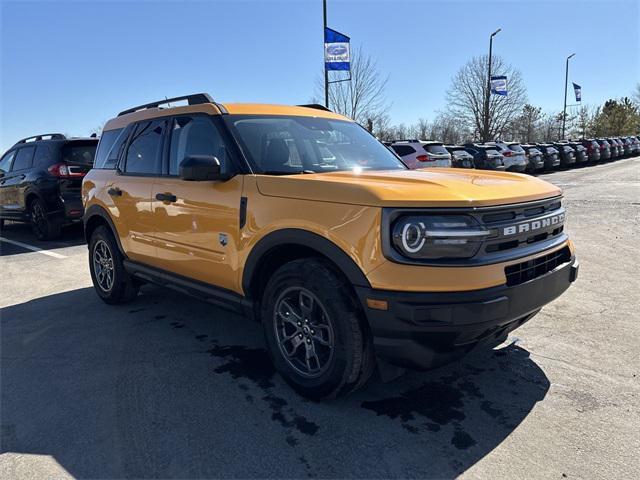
422, 153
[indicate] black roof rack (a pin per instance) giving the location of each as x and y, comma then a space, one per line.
317, 106
36, 138
194, 99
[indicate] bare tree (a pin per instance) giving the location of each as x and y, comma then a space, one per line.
363, 98
468, 90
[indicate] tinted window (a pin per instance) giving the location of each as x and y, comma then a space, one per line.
437, 149
43, 155
516, 148
403, 150
492, 152
24, 158
193, 136
5, 163
79, 153
107, 143
143, 154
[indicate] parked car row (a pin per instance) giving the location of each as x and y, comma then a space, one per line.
513, 156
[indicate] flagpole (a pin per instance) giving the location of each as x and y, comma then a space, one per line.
566, 81
326, 73
485, 133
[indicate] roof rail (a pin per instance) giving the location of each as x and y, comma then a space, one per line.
317, 106
193, 99
36, 138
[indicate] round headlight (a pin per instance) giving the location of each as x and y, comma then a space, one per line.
412, 236
438, 236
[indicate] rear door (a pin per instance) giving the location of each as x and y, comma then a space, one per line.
15, 182
196, 223
130, 190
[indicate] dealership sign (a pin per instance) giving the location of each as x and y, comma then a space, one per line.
337, 50
577, 89
499, 85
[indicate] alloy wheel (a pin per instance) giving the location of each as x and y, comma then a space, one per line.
303, 331
103, 265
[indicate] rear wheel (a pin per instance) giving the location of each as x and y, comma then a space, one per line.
111, 281
314, 331
44, 226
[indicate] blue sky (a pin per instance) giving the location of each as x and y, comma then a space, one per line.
70, 66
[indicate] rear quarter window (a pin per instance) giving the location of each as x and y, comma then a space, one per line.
24, 158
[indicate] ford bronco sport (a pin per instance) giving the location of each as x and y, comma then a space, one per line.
298, 217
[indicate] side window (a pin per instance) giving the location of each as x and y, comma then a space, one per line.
193, 136
143, 153
108, 147
5, 163
43, 155
24, 159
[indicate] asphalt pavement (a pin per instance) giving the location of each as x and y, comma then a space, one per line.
170, 387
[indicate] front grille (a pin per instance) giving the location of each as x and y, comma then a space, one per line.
512, 214
525, 271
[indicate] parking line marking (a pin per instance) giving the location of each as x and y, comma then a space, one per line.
32, 248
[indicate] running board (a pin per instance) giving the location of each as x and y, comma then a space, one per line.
217, 296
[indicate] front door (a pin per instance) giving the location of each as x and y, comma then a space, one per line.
196, 224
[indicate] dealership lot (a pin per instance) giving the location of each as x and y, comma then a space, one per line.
171, 387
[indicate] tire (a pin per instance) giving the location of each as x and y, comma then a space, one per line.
309, 289
111, 281
44, 226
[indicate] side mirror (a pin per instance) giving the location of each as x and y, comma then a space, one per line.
202, 168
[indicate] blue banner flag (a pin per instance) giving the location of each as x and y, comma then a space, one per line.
499, 85
337, 50
578, 91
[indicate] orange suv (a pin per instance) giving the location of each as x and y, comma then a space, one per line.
298, 217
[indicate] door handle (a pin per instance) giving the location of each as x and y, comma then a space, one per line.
115, 192
166, 197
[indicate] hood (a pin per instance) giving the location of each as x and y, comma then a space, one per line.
435, 187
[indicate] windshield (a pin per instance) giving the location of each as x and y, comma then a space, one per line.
280, 145
516, 148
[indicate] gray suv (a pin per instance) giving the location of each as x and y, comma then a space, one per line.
515, 158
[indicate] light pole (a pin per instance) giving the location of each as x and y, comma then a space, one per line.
326, 74
566, 81
485, 133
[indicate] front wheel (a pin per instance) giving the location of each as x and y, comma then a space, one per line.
315, 333
111, 281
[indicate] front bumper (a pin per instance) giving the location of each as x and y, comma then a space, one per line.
425, 330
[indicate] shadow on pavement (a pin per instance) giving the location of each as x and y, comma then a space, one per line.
72, 235
170, 387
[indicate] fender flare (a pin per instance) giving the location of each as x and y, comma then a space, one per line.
99, 211
303, 238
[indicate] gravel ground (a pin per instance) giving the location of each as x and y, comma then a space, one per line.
170, 387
